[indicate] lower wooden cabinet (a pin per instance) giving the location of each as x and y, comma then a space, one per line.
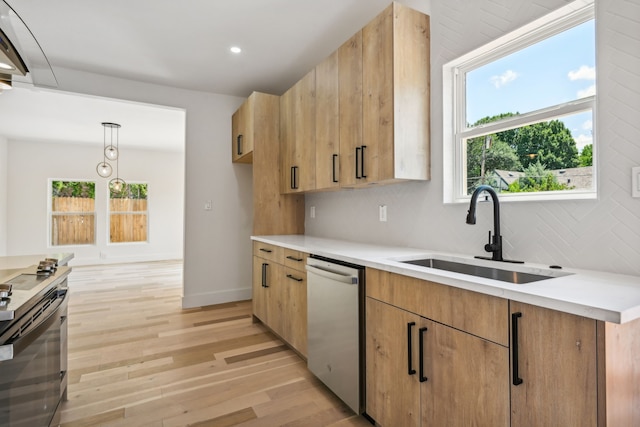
420, 372
554, 368
280, 293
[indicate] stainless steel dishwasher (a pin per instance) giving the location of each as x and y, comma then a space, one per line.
335, 315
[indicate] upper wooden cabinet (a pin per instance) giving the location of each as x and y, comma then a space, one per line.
242, 131
350, 106
297, 136
273, 212
361, 116
395, 82
327, 125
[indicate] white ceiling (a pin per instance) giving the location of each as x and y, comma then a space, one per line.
179, 44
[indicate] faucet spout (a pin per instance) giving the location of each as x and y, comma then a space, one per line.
495, 245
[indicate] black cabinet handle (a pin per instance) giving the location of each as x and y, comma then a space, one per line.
358, 151
362, 174
239, 145
333, 165
410, 369
514, 348
266, 250
294, 177
292, 258
292, 277
264, 275
421, 355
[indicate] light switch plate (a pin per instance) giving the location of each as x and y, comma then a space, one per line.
312, 212
383, 213
635, 181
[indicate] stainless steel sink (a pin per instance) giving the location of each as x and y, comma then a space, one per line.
510, 276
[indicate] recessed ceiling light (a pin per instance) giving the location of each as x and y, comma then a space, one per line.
235, 49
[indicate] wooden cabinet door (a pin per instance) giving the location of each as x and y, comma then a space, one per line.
295, 305
350, 106
305, 132
267, 298
297, 136
396, 104
556, 368
468, 379
287, 140
259, 292
377, 87
242, 133
392, 394
327, 138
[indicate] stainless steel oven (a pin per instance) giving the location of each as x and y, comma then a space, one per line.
31, 366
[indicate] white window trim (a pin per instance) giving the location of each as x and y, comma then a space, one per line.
454, 120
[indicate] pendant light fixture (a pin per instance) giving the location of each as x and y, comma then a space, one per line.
116, 185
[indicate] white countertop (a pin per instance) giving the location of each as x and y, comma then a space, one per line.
598, 295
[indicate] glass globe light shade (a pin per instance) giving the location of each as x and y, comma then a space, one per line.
104, 169
111, 152
117, 185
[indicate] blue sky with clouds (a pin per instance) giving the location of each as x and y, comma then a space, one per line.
554, 71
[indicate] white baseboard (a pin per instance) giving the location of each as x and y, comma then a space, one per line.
217, 297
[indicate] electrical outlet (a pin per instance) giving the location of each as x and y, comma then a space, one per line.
312, 212
383, 213
635, 181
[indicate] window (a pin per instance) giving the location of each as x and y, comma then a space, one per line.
73, 216
519, 112
128, 214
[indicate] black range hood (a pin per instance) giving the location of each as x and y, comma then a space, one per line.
21, 58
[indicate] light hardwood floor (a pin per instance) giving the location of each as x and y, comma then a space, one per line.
136, 358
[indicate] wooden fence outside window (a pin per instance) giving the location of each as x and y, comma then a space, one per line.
73, 221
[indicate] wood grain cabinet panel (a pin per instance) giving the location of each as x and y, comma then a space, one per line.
396, 97
327, 138
280, 292
350, 105
242, 125
297, 136
420, 372
256, 131
555, 373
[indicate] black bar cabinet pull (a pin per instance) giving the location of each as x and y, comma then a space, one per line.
514, 348
358, 150
264, 275
266, 250
421, 355
294, 177
292, 277
239, 145
410, 369
362, 174
335, 157
292, 258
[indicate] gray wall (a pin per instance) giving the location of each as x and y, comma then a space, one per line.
601, 234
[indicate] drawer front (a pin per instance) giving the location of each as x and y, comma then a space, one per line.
483, 315
270, 252
295, 259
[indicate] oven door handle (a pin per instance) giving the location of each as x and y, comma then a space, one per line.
13, 349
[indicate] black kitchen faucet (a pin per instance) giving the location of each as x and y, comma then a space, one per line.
495, 245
